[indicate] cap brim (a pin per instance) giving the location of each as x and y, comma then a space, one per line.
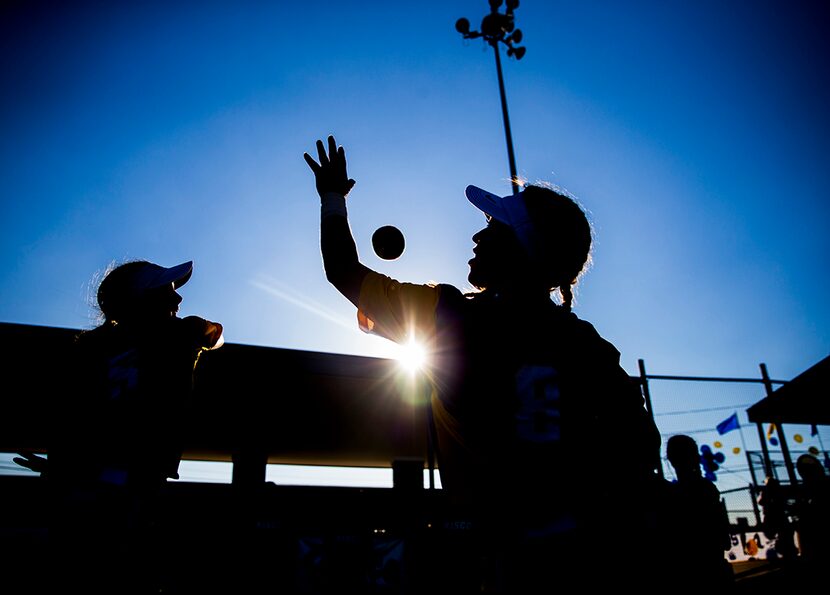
509, 210
179, 274
488, 203
155, 276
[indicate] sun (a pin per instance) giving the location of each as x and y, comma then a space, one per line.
411, 356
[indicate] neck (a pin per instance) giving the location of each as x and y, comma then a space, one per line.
518, 293
688, 474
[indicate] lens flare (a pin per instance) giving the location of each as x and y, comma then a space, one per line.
411, 356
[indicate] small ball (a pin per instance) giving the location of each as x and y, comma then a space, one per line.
388, 242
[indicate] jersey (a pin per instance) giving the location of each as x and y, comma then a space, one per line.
534, 416
701, 528
122, 421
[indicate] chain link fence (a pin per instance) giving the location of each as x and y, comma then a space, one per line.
696, 406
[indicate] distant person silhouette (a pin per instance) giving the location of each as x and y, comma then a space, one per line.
118, 430
813, 523
537, 423
701, 525
775, 521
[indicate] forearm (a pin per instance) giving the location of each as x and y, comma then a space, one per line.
340, 259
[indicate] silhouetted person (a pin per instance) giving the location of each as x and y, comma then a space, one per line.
118, 429
700, 522
537, 423
813, 514
775, 521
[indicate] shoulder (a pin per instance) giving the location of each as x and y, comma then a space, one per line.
478, 308
86, 337
98, 339
590, 356
451, 295
704, 489
585, 336
376, 284
205, 333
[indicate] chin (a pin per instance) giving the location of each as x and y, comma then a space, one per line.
476, 282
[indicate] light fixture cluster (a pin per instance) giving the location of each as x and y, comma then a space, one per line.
496, 27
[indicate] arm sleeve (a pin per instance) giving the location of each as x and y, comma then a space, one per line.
397, 311
340, 259
206, 334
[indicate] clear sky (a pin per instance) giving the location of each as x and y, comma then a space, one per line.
696, 134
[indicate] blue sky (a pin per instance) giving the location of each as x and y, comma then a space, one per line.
695, 134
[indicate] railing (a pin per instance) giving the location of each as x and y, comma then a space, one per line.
254, 405
260, 405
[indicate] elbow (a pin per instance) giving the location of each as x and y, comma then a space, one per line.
347, 280
335, 276
340, 277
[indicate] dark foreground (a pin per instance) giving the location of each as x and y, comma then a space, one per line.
217, 538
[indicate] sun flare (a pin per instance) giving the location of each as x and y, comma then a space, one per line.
411, 356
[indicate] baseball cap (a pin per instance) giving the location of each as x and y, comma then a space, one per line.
510, 210
152, 276
130, 281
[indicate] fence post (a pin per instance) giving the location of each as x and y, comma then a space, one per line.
249, 466
647, 395
753, 492
763, 439
788, 462
752, 467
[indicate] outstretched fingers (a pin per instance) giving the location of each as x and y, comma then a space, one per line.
330, 168
315, 167
321, 152
342, 169
323, 158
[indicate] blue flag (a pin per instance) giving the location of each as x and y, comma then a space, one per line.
729, 424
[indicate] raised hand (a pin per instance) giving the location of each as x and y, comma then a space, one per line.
31, 461
330, 173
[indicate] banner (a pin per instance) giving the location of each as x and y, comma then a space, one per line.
729, 424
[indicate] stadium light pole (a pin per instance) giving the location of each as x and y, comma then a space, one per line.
498, 28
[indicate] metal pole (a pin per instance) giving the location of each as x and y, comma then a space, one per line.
741, 432
788, 462
512, 160
647, 396
763, 439
752, 468
431, 432
753, 491
430, 446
